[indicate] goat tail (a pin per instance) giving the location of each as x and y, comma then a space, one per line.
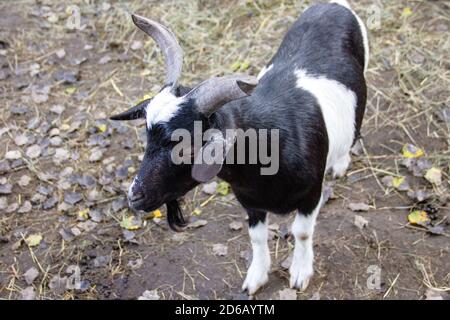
175, 216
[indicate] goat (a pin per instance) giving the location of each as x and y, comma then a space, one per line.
313, 91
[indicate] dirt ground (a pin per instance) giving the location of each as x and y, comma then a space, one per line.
64, 167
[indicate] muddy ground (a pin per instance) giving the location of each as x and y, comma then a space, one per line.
65, 168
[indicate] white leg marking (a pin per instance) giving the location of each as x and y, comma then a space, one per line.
341, 166
258, 273
301, 269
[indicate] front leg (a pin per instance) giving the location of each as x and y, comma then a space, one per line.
258, 273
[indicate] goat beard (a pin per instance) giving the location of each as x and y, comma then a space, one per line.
175, 216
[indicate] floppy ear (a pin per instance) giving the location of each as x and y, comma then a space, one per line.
136, 112
210, 158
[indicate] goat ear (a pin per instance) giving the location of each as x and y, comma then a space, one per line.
210, 158
137, 112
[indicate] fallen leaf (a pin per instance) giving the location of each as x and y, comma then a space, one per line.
210, 188
28, 293
157, 214
434, 176
31, 275
223, 188
130, 223
411, 151
197, 223
418, 217
83, 214
197, 212
33, 240
407, 12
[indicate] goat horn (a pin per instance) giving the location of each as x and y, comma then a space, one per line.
213, 93
167, 42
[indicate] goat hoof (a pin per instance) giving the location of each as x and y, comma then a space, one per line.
300, 278
253, 282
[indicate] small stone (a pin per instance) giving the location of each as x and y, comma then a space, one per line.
104, 59
13, 155
220, 249
58, 284
101, 261
149, 295
136, 45
96, 155
286, 264
3, 203
25, 208
72, 197
197, 223
21, 140
236, 225
359, 206
67, 235
61, 155
361, 222
33, 152
61, 53
31, 275
24, 180
4, 166
288, 294
50, 203
28, 294
5, 188
56, 141
12, 207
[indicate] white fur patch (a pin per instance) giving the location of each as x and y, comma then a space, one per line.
302, 269
162, 107
363, 29
258, 273
264, 71
338, 105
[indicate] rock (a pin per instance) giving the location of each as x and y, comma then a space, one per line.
220, 249
58, 109
24, 181
104, 59
359, 206
288, 294
360, 222
4, 167
18, 110
72, 197
61, 155
5, 188
61, 53
101, 261
3, 203
56, 141
12, 207
50, 203
149, 295
28, 294
31, 275
66, 234
94, 195
135, 264
236, 225
197, 223
13, 155
25, 208
136, 45
20, 140
96, 155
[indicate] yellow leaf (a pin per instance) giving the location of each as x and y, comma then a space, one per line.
83, 214
145, 72
223, 188
130, 223
65, 127
407, 12
245, 65
197, 212
102, 127
411, 151
71, 90
235, 66
131, 170
397, 181
418, 217
157, 214
33, 240
146, 97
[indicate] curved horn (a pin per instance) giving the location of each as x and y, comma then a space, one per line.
167, 42
213, 93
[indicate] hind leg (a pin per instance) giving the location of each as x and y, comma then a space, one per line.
341, 166
301, 269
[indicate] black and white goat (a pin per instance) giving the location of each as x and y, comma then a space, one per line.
313, 91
